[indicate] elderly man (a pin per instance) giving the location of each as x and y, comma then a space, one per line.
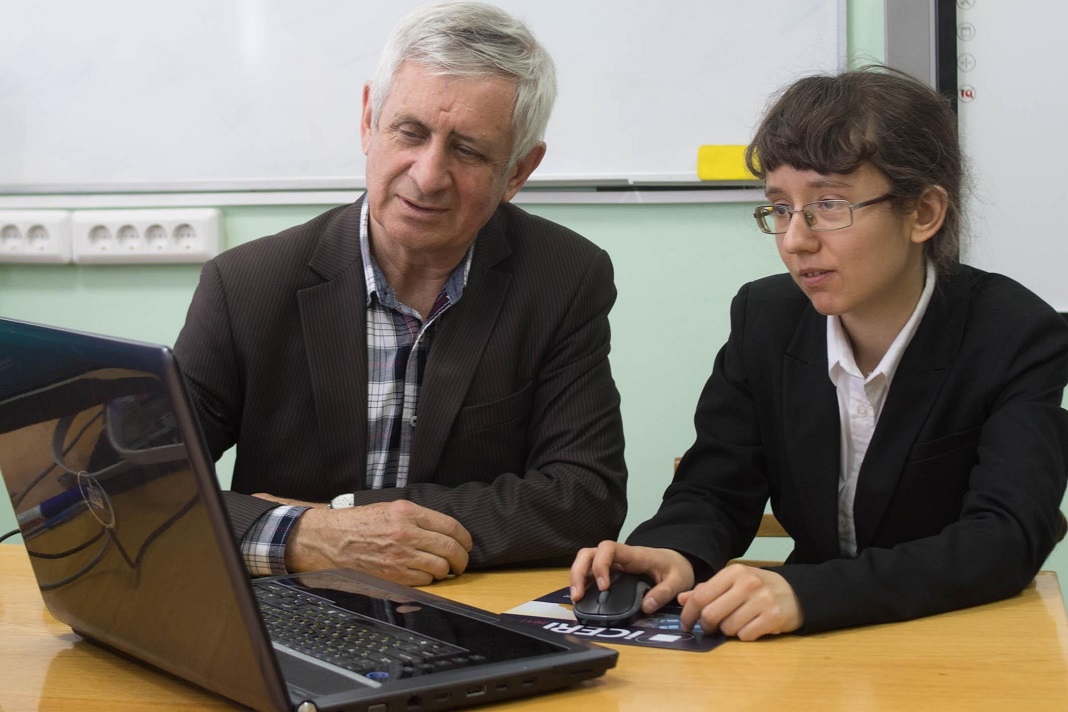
418, 383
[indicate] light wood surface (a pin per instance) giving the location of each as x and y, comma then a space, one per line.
1011, 655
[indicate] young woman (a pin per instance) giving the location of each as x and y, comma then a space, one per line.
902, 411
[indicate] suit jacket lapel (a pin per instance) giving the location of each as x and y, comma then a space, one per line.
912, 393
333, 323
456, 351
811, 428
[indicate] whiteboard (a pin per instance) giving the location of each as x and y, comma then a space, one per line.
147, 95
1012, 106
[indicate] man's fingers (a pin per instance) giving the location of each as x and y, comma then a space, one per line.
432, 521
454, 555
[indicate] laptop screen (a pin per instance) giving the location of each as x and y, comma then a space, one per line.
93, 456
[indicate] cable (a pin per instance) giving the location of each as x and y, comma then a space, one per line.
59, 455
16, 499
158, 531
134, 563
10, 534
78, 574
68, 552
154, 455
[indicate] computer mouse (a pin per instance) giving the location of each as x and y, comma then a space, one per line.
619, 604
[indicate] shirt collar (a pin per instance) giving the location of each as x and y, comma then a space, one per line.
375, 280
840, 352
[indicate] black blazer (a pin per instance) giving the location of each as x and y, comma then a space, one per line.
519, 434
958, 495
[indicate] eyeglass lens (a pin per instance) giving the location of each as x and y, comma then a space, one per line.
820, 215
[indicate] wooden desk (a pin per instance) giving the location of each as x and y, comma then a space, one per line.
1005, 656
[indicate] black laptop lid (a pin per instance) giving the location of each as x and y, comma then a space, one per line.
123, 520
95, 448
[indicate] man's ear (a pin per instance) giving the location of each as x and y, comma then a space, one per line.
365, 119
522, 170
930, 213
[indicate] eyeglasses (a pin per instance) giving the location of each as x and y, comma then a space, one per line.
820, 215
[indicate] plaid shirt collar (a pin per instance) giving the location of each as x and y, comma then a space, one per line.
376, 281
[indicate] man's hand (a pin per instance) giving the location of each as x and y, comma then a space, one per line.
743, 601
399, 541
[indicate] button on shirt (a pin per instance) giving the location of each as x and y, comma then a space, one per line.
860, 401
398, 342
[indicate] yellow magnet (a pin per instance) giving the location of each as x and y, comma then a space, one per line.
722, 163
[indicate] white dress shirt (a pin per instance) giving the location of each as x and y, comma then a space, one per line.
860, 400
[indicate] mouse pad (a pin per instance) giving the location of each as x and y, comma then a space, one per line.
552, 612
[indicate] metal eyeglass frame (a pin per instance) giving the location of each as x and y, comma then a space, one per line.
764, 211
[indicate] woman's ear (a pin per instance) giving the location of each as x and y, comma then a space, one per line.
930, 213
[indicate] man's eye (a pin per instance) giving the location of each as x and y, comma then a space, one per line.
467, 152
829, 205
780, 211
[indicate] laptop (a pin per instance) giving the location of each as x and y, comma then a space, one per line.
120, 510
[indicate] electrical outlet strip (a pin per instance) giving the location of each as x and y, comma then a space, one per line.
35, 236
143, 236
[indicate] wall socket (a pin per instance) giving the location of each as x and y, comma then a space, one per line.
117, 236
35, 236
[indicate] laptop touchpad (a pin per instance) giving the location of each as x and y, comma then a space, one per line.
315, 679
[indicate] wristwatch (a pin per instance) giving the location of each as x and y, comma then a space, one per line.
343, 501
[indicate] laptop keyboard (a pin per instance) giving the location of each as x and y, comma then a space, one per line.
321, 630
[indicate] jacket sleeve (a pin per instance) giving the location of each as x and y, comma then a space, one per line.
209, 363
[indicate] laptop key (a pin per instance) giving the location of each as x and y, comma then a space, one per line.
317, 629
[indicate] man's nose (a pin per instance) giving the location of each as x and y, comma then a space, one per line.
430, 170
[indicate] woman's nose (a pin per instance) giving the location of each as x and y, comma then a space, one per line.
799, 236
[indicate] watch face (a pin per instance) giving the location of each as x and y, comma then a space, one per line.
343, 501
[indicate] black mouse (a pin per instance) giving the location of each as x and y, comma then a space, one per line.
619, 604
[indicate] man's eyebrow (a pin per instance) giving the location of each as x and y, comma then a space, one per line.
480, 143
401, 119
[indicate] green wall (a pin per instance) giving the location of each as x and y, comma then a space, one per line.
677, 266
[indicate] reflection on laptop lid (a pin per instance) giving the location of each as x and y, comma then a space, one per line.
121, 514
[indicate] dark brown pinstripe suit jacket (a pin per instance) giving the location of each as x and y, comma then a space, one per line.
519, 435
